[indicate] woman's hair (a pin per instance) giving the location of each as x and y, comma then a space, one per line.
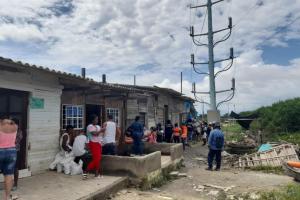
176, 124
93, 117
168, 121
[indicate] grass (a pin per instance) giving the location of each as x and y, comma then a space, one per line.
288, 137
232, 128
268, 169
289, 192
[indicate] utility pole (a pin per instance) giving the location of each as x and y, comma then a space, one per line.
211, 64
181, 79
213, 114
134, 80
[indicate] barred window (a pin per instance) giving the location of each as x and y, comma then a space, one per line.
114, 112
72, 115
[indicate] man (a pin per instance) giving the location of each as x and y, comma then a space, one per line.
137, 131
190, 128
111, 136
215, 144
168, 131
80, 152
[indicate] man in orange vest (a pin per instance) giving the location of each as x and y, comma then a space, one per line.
184, 133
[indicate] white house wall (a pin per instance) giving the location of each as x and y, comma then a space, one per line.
43, 124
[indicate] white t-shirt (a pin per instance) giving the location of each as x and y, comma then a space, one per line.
110, 132
94, 138
79, 145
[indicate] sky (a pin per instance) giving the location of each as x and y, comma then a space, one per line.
150, 39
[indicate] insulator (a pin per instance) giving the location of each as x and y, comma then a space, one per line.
192, 59
231, 53
233, 84
230, 22
192, 31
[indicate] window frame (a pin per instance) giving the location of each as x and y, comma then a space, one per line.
114, 109
65, 119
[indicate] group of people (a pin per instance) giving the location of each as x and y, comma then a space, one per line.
10, 139
88, 147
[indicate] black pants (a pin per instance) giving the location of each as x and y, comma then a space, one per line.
85, 160
211, 155
176, 139
109, 149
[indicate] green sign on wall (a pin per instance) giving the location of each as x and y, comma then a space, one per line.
37, 103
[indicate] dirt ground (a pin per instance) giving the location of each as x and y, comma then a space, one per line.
206, 185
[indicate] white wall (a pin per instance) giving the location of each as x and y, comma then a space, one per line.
43, 124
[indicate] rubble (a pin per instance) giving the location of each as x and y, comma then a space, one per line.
174, 173
213, 193
225, 189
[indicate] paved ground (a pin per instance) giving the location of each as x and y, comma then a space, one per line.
54, 186
192, 186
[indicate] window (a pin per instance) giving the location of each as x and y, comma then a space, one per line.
72, 115
115, 114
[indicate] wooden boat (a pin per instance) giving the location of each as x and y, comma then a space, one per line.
291, 171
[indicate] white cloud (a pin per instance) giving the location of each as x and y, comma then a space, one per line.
115, 37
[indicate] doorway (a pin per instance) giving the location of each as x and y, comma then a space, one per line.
91, 109
14, 103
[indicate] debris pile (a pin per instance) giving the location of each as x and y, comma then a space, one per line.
247, 145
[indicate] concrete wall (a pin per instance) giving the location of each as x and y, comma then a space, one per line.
173, 150
43, 124
137, 167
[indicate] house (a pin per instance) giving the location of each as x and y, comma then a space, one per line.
46, 101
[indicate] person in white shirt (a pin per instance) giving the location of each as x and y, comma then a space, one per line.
111, 135
80, 152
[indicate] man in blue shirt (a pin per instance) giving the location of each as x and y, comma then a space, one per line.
137, 133
216, 145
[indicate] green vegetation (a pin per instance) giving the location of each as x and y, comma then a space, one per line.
290, 192
288, 137
268, 169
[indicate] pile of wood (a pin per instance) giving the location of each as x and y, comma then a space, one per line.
273, 157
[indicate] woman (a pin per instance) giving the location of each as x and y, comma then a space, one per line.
8, 153
19, 138
95, 137
151, 137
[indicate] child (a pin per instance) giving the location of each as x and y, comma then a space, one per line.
151, 137
176, 134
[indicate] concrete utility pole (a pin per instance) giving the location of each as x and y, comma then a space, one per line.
211, 63
181, 79
212, 114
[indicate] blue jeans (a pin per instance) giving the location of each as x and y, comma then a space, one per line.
137, 143
8, 159
211, 155
190, 135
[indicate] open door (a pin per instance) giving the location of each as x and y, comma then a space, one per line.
91, 109
15, 104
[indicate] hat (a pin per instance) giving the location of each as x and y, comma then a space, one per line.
217, 124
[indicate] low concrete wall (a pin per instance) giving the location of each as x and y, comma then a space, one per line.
171, 149
137, 167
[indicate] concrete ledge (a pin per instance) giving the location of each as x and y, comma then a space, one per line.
171, 149
105, 192
137, 167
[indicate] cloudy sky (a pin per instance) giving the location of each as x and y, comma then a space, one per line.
150, 38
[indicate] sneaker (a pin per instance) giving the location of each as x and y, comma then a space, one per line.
84, 176
14, 188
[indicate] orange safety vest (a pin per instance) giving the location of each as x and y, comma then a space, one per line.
176, 131
184, 131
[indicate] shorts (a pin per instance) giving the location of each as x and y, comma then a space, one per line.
109, 149
8, 159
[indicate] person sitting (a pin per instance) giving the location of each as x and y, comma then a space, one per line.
151, 137
80, 152
176, 134
65, 140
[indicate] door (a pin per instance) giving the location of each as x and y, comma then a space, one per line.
91, 109
166, 113
14, 103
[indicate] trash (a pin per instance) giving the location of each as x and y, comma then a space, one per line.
182, 174
200, 159
225, 189
265, 147
213, 193
174, 173
156, 189
164, 197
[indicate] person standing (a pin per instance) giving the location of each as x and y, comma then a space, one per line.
160, 133
184, 133
215, 144
168, 131
137, 133
190, 128
176, 134
19, 138
8, 153
95, 137
112, 132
